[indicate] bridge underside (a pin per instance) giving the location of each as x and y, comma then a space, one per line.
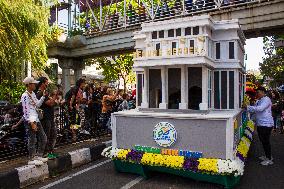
256, 20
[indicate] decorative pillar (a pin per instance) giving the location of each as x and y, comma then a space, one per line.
204, 104
164, 78
145, 95
184, 88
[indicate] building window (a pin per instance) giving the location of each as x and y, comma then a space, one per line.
174, 48
191, 46
154, 35
241, 88
196, 30
171, 33
231, 90
218, 52
178, 32
224, 90
187, 31
158, 48
216, 90
161, 34
224, 94
231, 50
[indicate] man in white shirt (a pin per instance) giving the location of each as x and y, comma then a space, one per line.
35, 130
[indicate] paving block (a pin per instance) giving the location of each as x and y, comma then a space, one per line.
80, 157
30, 174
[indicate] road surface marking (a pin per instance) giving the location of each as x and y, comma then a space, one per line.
132, 183
75, 174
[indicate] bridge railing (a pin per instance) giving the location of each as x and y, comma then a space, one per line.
146, 11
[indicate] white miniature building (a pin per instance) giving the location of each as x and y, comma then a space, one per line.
190, 63
196, 66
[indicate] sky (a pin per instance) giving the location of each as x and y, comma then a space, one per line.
254, 51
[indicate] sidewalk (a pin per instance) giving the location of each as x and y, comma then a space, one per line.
264, 177
16, 173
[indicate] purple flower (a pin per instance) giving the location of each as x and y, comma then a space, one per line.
135, 156
191, 164
241, 157
250, 139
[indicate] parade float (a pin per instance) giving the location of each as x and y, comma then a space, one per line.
190, 88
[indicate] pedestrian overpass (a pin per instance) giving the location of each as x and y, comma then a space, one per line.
114, 35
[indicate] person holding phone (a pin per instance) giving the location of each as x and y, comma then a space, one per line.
48, 116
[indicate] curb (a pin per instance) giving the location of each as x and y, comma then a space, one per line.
29, 174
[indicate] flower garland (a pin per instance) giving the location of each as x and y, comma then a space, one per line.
204, 165
245, 142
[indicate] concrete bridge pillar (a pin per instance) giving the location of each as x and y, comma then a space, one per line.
65, 65
78, 66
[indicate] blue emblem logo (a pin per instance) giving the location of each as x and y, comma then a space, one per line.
164, 134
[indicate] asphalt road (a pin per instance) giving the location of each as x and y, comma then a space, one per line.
101, 175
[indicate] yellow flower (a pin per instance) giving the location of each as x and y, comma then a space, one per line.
250, 125
162, 160
246, 100
245, 139
243, 148
122, 154
209, 165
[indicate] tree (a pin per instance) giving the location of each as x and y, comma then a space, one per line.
117, 67
24, 33
273, 62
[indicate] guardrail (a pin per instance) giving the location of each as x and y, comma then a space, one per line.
13, 142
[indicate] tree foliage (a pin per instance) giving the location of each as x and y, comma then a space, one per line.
118, 7
24, 33
11, 91
117, 67
273, 62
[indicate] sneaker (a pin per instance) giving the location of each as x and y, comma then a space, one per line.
266, 162
263, 158
85, 132
44, 160
52, 156
35, 162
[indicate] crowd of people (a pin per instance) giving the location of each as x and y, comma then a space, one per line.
82, 104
